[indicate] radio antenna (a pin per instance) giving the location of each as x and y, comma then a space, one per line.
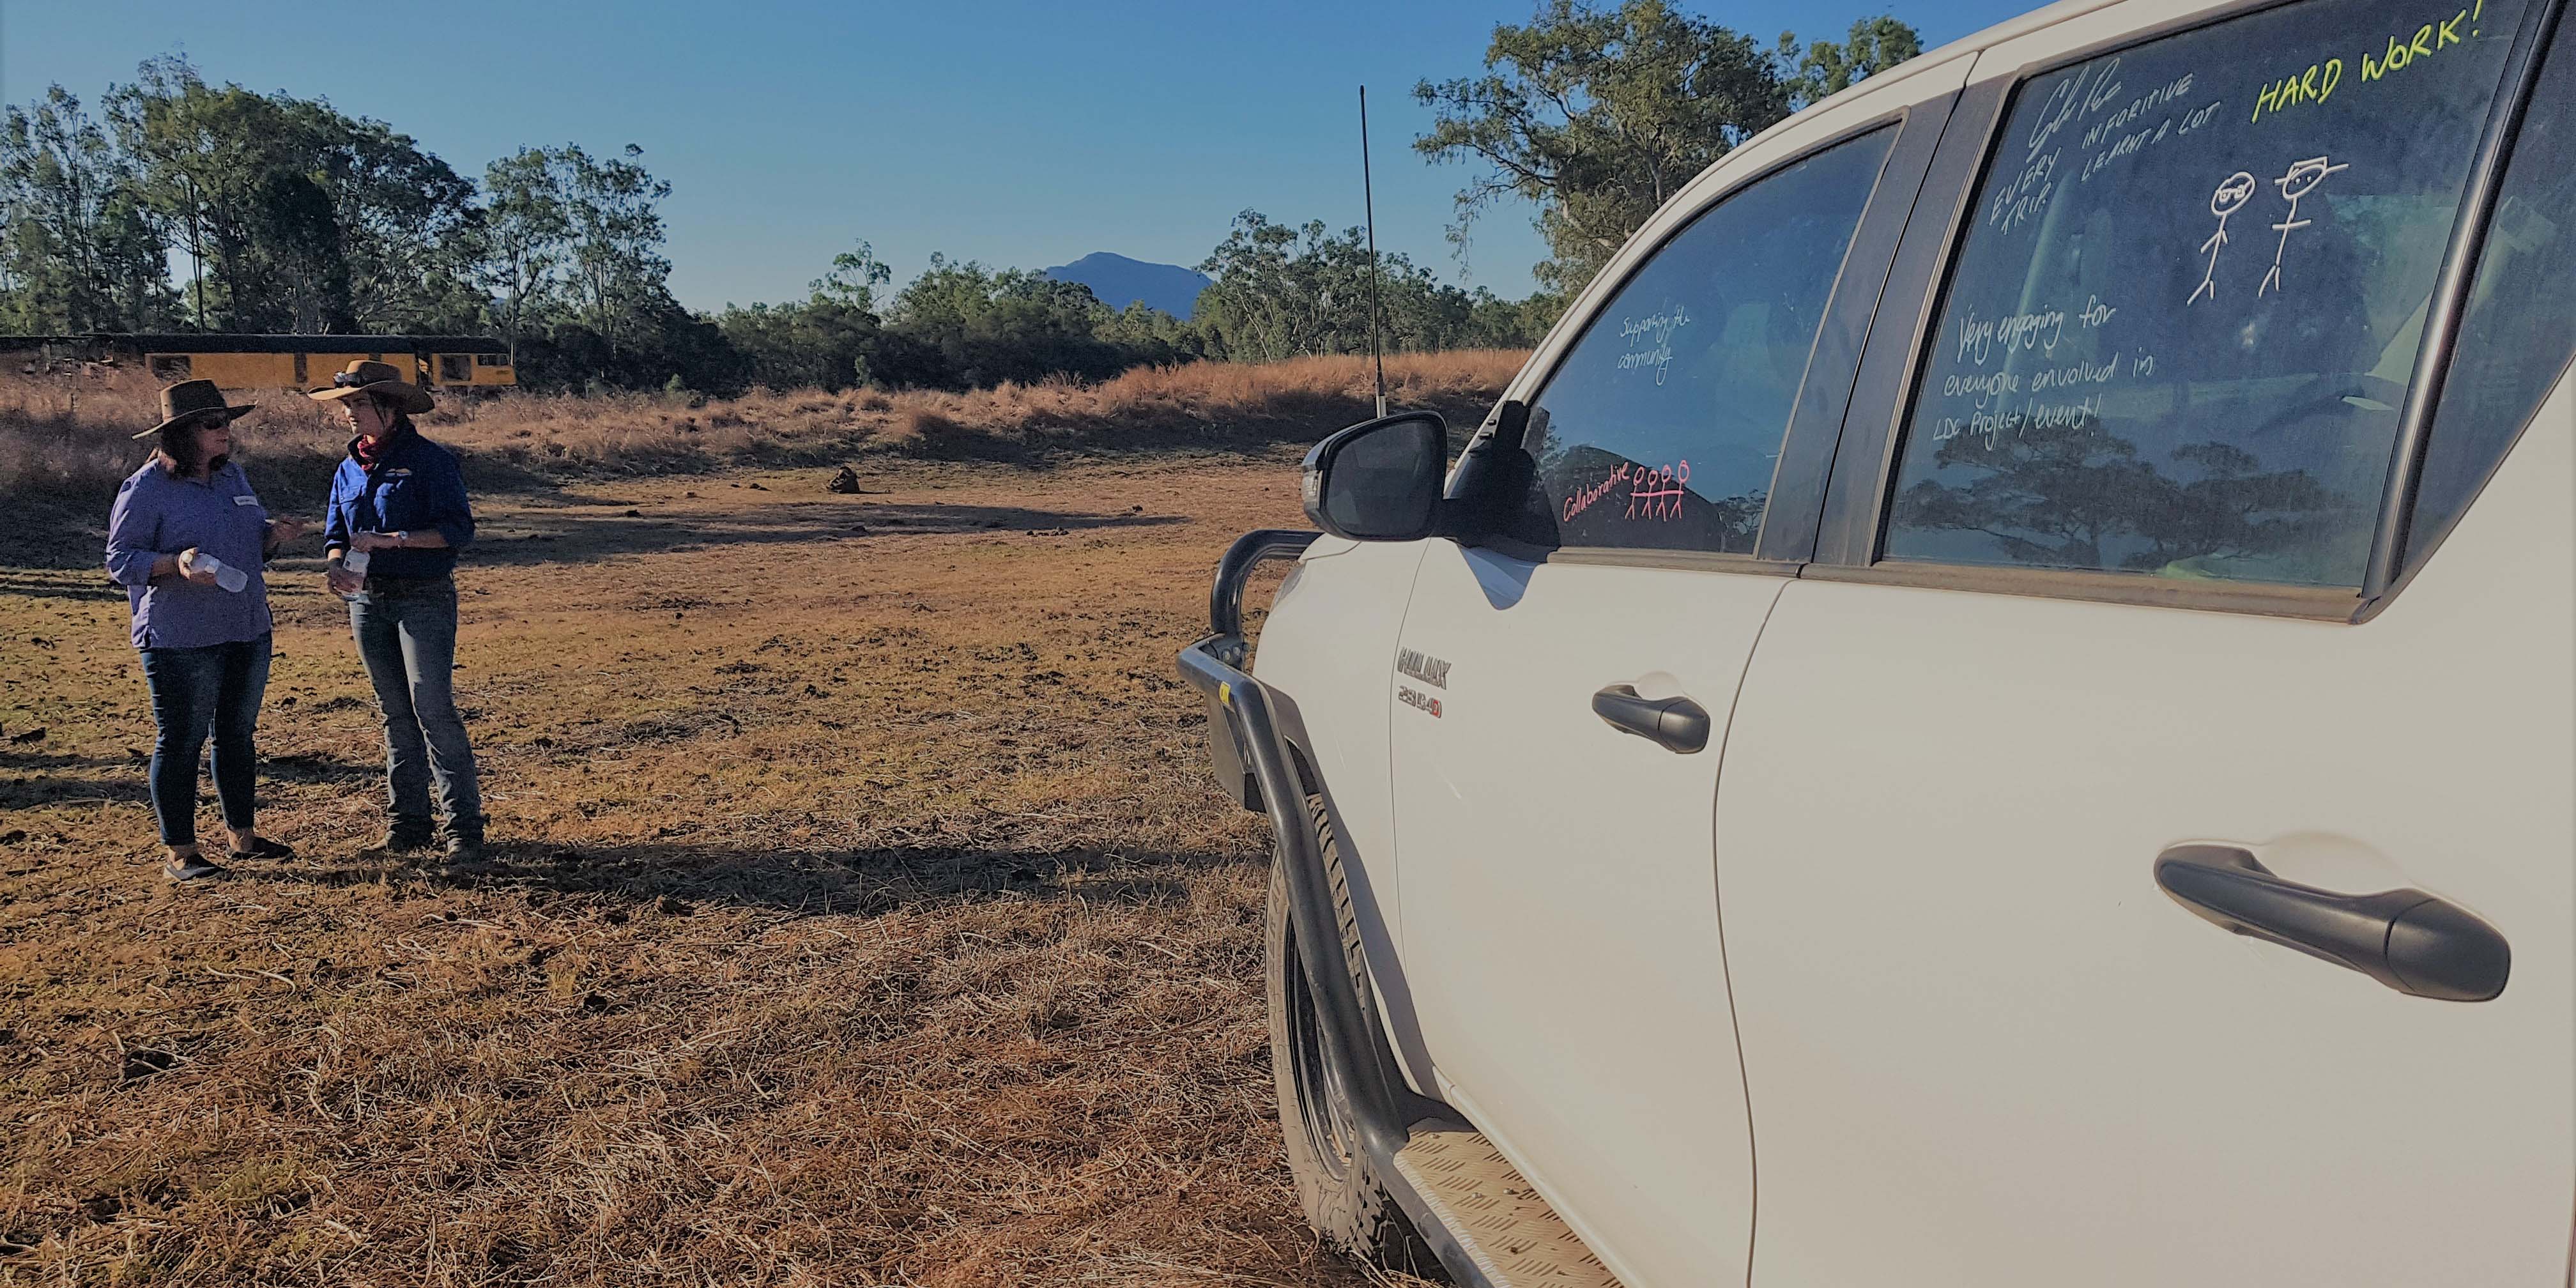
1368, 202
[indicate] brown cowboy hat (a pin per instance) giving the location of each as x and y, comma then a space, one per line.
383, 380
190, 400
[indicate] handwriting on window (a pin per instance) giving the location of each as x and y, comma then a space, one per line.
2401, 50
2007, 400
1650, 340
1652, 492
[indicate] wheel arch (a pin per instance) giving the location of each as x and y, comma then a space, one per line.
1388, 1001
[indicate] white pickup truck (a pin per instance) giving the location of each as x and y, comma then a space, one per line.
1778, 802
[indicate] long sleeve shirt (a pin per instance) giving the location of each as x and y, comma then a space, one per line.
414, 486
159, 513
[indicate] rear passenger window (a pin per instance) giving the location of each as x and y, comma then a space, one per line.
2192, 294
2514, 338
1661, 427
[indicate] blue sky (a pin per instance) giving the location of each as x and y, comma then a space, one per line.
1010, 132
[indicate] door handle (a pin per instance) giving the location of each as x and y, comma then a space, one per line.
2410, 941
1677, 724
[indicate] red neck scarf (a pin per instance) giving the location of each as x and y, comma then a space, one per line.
368, 451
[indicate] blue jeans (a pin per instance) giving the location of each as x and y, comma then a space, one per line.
195, 691
406, 631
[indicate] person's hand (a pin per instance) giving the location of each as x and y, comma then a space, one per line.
285, 530
192, 571
374, 541
341, 581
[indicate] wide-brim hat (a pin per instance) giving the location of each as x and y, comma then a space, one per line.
382, 380
191, 400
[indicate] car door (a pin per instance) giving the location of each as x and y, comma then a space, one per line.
1560, 923
2115, 628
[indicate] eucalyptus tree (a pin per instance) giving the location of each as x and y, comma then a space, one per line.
1599, 115
991, 325
833, 339
523, 238
305, 218
79, 248
618, 274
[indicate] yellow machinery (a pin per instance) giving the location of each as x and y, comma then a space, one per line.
460, 363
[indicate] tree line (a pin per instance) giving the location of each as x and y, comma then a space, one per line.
288, 215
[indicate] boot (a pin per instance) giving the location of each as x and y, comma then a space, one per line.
464, 855
194, 867
402, 837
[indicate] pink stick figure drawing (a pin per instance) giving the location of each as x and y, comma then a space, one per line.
2232, 194
2303, 178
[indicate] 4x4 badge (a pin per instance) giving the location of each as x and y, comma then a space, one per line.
1426, 668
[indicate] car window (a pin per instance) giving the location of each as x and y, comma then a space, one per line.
1660, 428
2191, 295
2514, 339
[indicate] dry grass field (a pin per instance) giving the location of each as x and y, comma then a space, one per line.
866, 913
60, 439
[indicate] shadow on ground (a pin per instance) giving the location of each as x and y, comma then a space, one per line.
306, 767
675, 878
30, 762
64, 565
568, 538
59, 789
68, 584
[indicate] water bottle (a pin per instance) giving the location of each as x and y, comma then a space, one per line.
226, 576
355, 563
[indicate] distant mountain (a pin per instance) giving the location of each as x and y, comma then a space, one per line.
1118, 281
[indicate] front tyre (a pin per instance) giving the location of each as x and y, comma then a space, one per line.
1343, 1198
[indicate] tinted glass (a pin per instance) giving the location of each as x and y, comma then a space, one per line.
2189, 304
1661, 427
1385, 483
2514, 337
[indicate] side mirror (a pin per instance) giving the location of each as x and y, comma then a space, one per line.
1379, 480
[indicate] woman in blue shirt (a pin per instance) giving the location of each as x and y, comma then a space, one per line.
188, 539
398, 516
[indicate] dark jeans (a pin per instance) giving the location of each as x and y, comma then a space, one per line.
196, 690
406, 629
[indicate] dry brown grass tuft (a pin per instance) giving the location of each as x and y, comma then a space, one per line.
71, 435
866, 914
920, 431
64, 438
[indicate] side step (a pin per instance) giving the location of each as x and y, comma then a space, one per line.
1497, 1219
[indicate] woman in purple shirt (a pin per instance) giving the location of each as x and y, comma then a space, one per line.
187, 540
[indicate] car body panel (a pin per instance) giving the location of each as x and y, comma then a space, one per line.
1979, 1035
1323, 651
1978, 1043
1558, 891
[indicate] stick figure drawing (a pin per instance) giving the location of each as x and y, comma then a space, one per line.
2303, 178
2232, 194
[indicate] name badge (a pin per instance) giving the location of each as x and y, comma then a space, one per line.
245, 500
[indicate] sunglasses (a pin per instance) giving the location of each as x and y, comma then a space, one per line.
348, 380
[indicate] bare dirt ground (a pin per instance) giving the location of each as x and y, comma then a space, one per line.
867, 914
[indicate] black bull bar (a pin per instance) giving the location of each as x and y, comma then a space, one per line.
1254, 762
